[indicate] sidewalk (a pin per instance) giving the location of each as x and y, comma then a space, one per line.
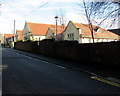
109, 74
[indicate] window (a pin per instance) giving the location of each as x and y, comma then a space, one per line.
96, 29
70, 36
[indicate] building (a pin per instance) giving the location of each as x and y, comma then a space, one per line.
18, 35
35, 31
81, 33
9, 40
54, 33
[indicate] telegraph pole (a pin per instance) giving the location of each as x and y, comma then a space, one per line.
14, 32
14, 36
14, 26
56, 17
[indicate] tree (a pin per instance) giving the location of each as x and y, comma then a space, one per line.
99, 12
62, 18
4, 2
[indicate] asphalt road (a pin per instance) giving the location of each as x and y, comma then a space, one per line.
22, 74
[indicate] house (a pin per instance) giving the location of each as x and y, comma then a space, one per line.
18, 35
8, 37
35, 31
81, 33
8, 40
54, 33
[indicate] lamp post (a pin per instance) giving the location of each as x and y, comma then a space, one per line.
56, 17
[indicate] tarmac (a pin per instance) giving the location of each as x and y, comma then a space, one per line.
106, 73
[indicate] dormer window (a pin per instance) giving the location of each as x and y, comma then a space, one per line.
96, 29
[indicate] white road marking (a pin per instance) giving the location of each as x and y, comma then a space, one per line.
45, 62
40, 60
18, 53
31, 57
26, 56
36, 59
61, 67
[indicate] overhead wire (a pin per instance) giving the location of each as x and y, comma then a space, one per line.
35, 9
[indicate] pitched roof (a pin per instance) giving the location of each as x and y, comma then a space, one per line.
8, 35
60, 29
105, 33
38, 28
116, 31
100, 33
19, 33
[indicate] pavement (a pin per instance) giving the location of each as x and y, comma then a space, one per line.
108, 74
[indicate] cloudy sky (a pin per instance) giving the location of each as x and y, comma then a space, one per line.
38, 11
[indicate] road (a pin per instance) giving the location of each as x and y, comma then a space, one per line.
22, 74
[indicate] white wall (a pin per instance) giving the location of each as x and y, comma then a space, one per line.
50, 34
71, 29
37, 38
88, 40
26, 33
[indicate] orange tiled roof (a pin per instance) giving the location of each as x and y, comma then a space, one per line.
19, 33
105, 33
101, 33
8, 35
38, 29
60, 29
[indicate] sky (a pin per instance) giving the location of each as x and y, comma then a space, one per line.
38, 11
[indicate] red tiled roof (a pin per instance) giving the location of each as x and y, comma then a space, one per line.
60, 29
38, 29
105, 33
101, 33
8, 35
19, 33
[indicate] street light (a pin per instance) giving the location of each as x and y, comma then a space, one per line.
56, 17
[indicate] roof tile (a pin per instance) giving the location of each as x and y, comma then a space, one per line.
38, 29
8, 35
19, 33
100, 33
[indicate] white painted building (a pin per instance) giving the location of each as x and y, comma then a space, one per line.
35, 31
81, 33
52, 33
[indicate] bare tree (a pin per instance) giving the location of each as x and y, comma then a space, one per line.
4, 2
62, 18
100, 12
